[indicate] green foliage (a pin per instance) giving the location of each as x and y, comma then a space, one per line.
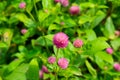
23, 53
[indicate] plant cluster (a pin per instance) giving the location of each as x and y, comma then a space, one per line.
59, 40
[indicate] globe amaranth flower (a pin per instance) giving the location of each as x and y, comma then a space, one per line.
109, 50
41, 74
51, 59
44, 69
74, 10
56, 1
63, 63
60, 40
23, 31
22, 5
116, 66
64, 3
77, 43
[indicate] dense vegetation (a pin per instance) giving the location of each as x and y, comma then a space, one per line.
59, 39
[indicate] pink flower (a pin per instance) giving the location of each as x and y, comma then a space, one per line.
23, 31
62, 23
22, 5
117, 66
74, 10
56, 1
51, 60
60, 40
117, 33
78, 43
44, 69
109, 50
64, 3
63, 63
41, 74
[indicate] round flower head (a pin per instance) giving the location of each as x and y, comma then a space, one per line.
78, 43
74, 10
41, 74
23, 31
22, 5
60, 40
109, 50
64, 3
117, 33
117, 66
51, 60
56, 1
63, 63
44, 69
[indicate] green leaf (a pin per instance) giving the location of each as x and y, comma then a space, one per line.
74, 70
90, 34
91, 69
115, 43
47, 4
43, 40
99, 62
109, 29
99, 44
18, 73
0, 78
33, 71
14, 64
3, 45
98, 18
42, 15
103, 55
27, 21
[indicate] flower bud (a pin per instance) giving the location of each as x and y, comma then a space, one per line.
109, 50
63, 63
78, 43
64, 3
22, 5
117, 66
51, 60
23, 31
44, 69
60, 40
56, 1
74, 10
41, 74
117, 33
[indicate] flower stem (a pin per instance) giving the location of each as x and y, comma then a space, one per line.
45, 42
30, 15
56, 69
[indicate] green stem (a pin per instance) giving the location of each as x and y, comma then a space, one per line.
30, 15
45, 42
56, 70
34, 1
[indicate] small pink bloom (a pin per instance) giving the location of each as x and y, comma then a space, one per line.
74, 10
41, 74
62, 23
44, 69
78, 43
117, 33
63, 63
23, 31
22, 5
64, 3
117, 66
51, 60
60, 40
109, 50
56, 1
